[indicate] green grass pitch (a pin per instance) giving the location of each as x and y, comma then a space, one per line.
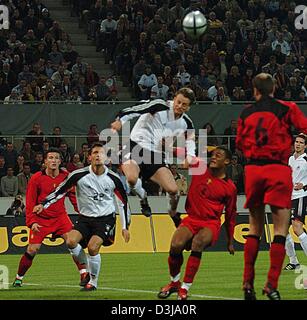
140, 276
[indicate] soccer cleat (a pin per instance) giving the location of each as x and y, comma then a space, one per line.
182, 294
145, 208
271, 293
249, 292
292, 266
170, 288
17, 283
88, 287
84, 279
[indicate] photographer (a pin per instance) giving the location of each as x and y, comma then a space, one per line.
17, 207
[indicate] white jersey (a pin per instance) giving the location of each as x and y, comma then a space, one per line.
157, 122
299, 174
94, 193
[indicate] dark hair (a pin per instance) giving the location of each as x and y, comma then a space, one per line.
212, 132
50, 150
187, 93
228, 153
95, 144
264, 83
302, 136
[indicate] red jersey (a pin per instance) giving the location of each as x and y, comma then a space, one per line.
264, 130
208, 196
39, 187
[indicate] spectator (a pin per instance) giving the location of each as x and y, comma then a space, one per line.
9, 184
84, 154
55, 140
285, 47
23, 178
82, 88
234, 79
8, 75
180, 180
92, 134
79, 67
57, 96
235, 172
212, 91
230, 142
38, 162
75, 163
91, 77
65, 153
4, 89
112, 98
36, 139
160, 90
10, 155
183, 76
146, 82
27, 151
212, 140
3, 167
106, 36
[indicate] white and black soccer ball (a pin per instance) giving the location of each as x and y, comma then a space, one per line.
194, 24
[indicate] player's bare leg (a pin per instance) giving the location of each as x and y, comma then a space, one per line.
280, 218
251, 248
165, 179
72, 239
200, 241
131, 170
94, 261
298, 228
25, 263
181, 236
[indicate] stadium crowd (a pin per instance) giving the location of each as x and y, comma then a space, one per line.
154, 57
144, 42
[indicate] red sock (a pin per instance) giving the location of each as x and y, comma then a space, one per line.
251, 249
174, 263
24, 264
277, 256
192, 266
79, 265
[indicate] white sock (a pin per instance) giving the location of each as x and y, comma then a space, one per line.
186, 286
290, 250
94, 266
176, 278
79, 254
303, 240
138, 189
173, 200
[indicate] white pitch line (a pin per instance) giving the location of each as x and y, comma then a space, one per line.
126, 290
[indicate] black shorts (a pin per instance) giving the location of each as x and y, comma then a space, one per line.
298, 209
103, 227
154, 160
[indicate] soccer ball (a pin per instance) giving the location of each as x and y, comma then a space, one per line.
194, 24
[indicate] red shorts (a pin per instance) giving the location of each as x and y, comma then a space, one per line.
269, 184
195, 225
56, 226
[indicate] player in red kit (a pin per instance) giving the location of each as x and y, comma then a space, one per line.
52, 220
264, 137
208, 195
